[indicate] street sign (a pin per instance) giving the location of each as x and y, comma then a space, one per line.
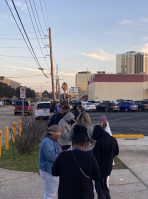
23, 90
73, 91
22, 95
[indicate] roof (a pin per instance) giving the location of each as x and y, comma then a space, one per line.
118, 78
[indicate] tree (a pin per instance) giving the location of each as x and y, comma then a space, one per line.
64, 87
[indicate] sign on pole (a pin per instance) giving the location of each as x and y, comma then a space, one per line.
23, 96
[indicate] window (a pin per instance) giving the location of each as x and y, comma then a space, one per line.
43, 105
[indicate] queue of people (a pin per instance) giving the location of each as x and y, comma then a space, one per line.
73, 154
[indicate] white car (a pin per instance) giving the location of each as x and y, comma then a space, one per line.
42, 110
89, 106
1, 103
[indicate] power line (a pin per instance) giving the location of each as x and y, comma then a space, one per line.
21, 56
35, 32
36, 21
46, 12
8, 38
18, 47
43, 15
26, 76
28, 38
21, 31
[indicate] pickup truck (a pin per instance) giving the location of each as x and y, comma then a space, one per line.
18, 107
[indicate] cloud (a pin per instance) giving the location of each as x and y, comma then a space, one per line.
20, 5
25, 68
67, 74
135, 22
144, 48
101, 55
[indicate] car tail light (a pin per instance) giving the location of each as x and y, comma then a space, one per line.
28, 108
111, 106
38, 108
14, 108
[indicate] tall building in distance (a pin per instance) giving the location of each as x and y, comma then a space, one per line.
132, 63
82, 79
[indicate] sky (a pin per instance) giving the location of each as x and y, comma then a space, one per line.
86, 36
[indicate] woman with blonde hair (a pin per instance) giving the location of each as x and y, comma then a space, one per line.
84, 120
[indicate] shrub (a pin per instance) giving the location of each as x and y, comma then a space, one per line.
32, 132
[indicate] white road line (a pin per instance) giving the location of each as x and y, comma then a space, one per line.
139, 130
142, 120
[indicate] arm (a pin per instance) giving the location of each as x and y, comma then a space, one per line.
96, 152
96, 171
49, 151
65, 131
70, 135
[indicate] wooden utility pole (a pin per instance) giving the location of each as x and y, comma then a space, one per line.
52, 70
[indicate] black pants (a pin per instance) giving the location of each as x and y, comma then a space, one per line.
102, 189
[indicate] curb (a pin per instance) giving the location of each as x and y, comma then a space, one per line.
130, 136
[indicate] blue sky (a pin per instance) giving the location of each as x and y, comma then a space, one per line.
86, 35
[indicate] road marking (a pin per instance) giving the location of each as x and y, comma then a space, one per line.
139, 130
142, 120
128, 136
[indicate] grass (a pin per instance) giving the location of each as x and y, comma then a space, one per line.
12, 160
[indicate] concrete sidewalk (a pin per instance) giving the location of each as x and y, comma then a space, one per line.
129, 183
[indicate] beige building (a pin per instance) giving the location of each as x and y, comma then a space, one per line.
9, 82
118, 86
132, 63
82, 80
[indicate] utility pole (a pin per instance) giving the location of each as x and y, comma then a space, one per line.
52, 70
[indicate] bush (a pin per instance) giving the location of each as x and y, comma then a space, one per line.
32, 132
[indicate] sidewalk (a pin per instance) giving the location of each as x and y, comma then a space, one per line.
129, 183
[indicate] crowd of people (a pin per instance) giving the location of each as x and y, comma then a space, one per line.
76, 157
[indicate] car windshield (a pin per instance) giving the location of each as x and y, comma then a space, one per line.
19, 103
43, 105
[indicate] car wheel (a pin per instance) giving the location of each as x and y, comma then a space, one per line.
126, 110
15, 113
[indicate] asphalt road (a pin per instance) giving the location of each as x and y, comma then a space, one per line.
120, 122
124, 122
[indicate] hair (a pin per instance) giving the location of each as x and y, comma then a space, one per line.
65, 107
80, 136
104, 125
83, 119
53, 129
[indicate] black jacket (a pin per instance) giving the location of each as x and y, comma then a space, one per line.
105, 149
70, 185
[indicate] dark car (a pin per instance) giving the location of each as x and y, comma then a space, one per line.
142, 105
18, 107
126, 106
113, 107
102, 107
7, 101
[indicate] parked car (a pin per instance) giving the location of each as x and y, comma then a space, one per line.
18, 107
1, 103
42, 110
113, 107
14, 102
103, 107
94, 102
142, 105
126, 106
89, 106
7, 101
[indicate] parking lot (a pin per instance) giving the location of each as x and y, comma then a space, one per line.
124, 122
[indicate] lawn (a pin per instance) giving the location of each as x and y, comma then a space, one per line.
11, 159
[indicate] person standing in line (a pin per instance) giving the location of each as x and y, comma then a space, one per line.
105, 149
58, 116
103, 122
76, 168
49, 150
65, 124
84, 120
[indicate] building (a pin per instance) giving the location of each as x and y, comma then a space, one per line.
132, 63
9, 82
118, 86
82, 80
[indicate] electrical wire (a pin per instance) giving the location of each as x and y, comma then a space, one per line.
37, 23
21, 32
26, 76
28, 38
20, 56
46, 12
35, 31
43, 15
